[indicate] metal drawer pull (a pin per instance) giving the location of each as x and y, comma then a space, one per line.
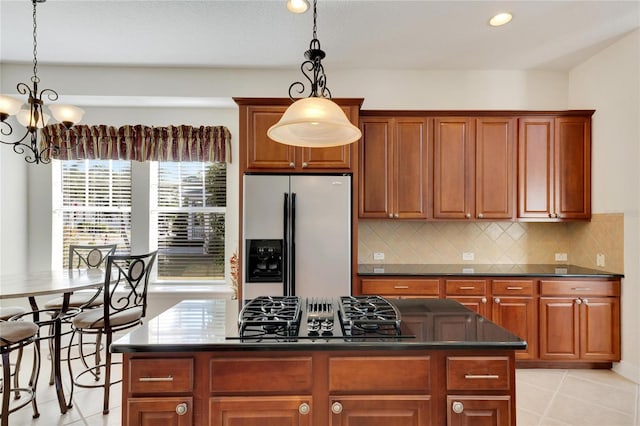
336, 408
181, 409
156, 379
581, 288
304, 408
457, 407
514, 288
400, 286
481, 376
467, 287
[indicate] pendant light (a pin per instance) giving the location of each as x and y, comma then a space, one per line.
34, 117
315, 121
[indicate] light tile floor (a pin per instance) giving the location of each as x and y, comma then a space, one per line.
544, 398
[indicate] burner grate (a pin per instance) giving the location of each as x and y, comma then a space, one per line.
368, 316
265, 316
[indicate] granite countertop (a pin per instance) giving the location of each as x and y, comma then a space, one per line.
535, 270
210, 325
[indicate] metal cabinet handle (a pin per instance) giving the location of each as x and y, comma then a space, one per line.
578, 301
305, 165
514, 288
480, 216
468, 215
457, 407
181, 409
396, 215
336, 408
304, 408
156, 379
580, 288
483, 300
481, 376
292, 165
467, 287
585, 301
390, 216
496, 300
400, 286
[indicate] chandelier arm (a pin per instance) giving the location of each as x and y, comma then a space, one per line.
52, 95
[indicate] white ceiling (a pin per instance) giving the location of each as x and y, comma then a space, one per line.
390, 34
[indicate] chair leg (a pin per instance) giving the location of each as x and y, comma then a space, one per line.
16, 374
107, 375
98, 359
6, 380
73, 379
51, 376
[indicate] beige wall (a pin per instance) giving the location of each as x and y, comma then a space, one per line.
495, 242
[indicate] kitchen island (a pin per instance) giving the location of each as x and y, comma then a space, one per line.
189, 366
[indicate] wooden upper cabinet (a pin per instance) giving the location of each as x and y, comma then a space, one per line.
453, 168
260, 153
393, 166
554, 168
495, 163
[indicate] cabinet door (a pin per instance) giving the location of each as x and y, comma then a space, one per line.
478, 304
535, 167
375, 167
263, 152
600, 329
559, 328
572, 167
374, 410
495, 168
168, 411
519, 316
453, 168
467, 410
410, 177
260, 411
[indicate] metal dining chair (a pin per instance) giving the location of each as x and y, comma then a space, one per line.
81, 256
14, 336
6, 313
125, 304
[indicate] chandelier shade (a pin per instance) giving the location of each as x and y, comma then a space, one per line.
315, 121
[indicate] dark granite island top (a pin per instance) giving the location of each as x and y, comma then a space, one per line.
182, 368
524, 270
204, 325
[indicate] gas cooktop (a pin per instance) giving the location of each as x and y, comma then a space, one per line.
291, 318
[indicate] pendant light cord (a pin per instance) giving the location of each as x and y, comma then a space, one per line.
35, 78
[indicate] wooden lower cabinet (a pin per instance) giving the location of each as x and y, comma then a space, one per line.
260, 411
369, 410
153, 411
465, 410
323, 387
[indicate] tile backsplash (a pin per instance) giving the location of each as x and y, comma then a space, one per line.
413, 242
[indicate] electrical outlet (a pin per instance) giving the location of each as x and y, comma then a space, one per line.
561, 257
468, 255
600, 259
378, 256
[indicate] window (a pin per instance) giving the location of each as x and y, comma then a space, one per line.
95, 205
190, 219
186, 217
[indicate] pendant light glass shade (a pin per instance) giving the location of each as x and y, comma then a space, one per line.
66, 114
28, 119
9, 106
314, 122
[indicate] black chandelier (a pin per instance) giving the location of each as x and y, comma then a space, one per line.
34, 116
314, 121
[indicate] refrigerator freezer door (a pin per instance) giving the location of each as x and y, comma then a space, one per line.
322, 235
263, 218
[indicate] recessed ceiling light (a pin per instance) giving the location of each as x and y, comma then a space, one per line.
500, 19
297, 6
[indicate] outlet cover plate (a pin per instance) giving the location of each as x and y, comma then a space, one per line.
561, 257
467, 255
378, 256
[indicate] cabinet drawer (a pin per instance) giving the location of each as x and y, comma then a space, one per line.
579, 288
354, 374
161, 375
401, 286
465, 287
287, 375
478, 373
512, 287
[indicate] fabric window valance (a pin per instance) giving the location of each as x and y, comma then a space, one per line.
139, 143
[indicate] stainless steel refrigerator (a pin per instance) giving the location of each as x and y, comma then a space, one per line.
297, 235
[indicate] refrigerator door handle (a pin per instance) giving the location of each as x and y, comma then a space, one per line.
293, 244
285, 241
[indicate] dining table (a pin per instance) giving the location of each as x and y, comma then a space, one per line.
49, 283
